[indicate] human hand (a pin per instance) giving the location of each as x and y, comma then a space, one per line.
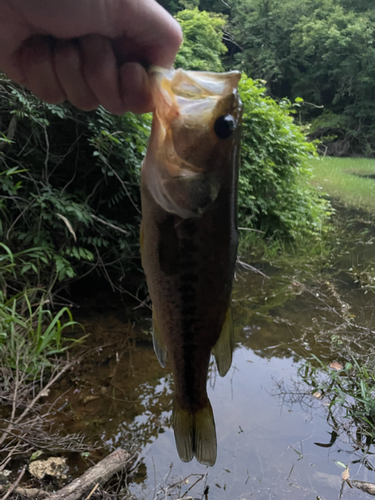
91, 52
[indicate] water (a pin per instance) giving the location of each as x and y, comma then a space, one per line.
273, 434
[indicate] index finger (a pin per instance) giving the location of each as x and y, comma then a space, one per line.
149, 34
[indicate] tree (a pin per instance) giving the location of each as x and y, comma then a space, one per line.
320, 50
336, 70
202, 46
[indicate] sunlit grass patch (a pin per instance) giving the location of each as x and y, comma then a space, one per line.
351, 180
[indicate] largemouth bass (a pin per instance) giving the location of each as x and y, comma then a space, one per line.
189, 239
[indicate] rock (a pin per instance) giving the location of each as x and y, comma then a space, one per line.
53, 466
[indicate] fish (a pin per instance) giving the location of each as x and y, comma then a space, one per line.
189, 239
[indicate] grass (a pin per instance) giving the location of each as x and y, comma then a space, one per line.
349, 387
351, 180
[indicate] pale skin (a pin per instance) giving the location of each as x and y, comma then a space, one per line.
89, 52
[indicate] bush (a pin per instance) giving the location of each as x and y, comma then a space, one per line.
274, 194
69, 187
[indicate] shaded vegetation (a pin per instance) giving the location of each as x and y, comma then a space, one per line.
321, 51
69, 180
69, 189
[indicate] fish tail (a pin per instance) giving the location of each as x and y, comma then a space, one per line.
195, 434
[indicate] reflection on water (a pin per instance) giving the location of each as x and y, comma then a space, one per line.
268, 444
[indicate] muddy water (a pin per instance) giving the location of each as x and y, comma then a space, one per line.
270, 428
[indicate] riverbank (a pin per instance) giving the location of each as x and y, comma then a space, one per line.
350, 180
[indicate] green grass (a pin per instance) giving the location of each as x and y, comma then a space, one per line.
346, 179
349, 387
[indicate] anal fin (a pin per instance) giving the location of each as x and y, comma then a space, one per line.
195, 434
159, 346
223, 349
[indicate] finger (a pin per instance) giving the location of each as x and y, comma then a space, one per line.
153, 35
135, 88
36, 61
101, 73
68, 67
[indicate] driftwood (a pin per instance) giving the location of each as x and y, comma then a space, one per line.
362, 485
85, 485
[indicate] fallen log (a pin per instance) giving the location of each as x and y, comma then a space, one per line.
97, 475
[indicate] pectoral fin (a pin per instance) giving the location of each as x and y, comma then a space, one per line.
195, 434
223, 348
159, 346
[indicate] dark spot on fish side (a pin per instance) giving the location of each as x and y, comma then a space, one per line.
169, 252
187, 291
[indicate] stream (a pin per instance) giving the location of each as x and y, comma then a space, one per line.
274, 434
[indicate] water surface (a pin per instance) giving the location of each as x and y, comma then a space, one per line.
273, 434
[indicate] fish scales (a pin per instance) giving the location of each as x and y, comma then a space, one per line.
189, 240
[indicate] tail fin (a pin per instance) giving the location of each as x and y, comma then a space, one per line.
195, 434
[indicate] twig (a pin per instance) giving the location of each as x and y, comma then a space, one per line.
248, 267
26, 492
251, 229
95, 217
92, 491
121, 182
34, 401
47, 153
15, 484
9, 134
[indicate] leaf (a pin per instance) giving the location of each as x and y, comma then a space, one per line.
335, 366
36, 455
68, 225
340, 464
345, 475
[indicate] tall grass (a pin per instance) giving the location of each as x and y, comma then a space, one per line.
351, 180
30, 332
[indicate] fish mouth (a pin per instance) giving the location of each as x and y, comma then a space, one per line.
190, 156
193, 95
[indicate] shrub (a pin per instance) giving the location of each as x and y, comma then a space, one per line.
69, 186
274, 194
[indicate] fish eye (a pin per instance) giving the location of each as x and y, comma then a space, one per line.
224, 126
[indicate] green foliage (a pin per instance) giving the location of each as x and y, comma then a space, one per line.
274, 195
336, 69
174, 6
262, 28
202, 45
69, 192
349, 387
29, 332
322, 51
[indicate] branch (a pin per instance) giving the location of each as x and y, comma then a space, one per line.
98, 474
95, 217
